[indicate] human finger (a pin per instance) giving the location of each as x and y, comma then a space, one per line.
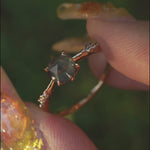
114, 78
125, 46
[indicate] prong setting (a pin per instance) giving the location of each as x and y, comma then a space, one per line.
64, 69
46, 69
77, 67
63, 53
58, 83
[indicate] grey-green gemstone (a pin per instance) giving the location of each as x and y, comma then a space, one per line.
61, 67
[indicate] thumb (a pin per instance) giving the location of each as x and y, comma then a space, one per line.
61, 134
125, 46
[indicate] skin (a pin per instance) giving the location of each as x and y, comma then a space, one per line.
125, 46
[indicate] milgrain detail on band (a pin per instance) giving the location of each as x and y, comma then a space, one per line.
45, 95
89, 49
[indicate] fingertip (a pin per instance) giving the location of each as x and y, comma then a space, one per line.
60, 132
125, 46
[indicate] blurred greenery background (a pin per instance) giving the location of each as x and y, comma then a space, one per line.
114, 119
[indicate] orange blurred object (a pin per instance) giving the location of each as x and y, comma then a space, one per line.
18, 130
106, 11
14, 120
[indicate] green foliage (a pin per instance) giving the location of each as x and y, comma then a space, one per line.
114, 119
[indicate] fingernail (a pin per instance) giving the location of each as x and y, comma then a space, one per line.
72, 45
106, 12
18, 130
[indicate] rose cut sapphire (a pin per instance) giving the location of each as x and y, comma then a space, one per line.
62, 68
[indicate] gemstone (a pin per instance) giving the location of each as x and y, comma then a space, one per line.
62, 69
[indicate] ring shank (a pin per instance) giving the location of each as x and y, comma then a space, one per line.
89, 49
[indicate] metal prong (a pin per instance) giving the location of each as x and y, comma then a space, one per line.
46, 69
63, 53
70, 77
58, 83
